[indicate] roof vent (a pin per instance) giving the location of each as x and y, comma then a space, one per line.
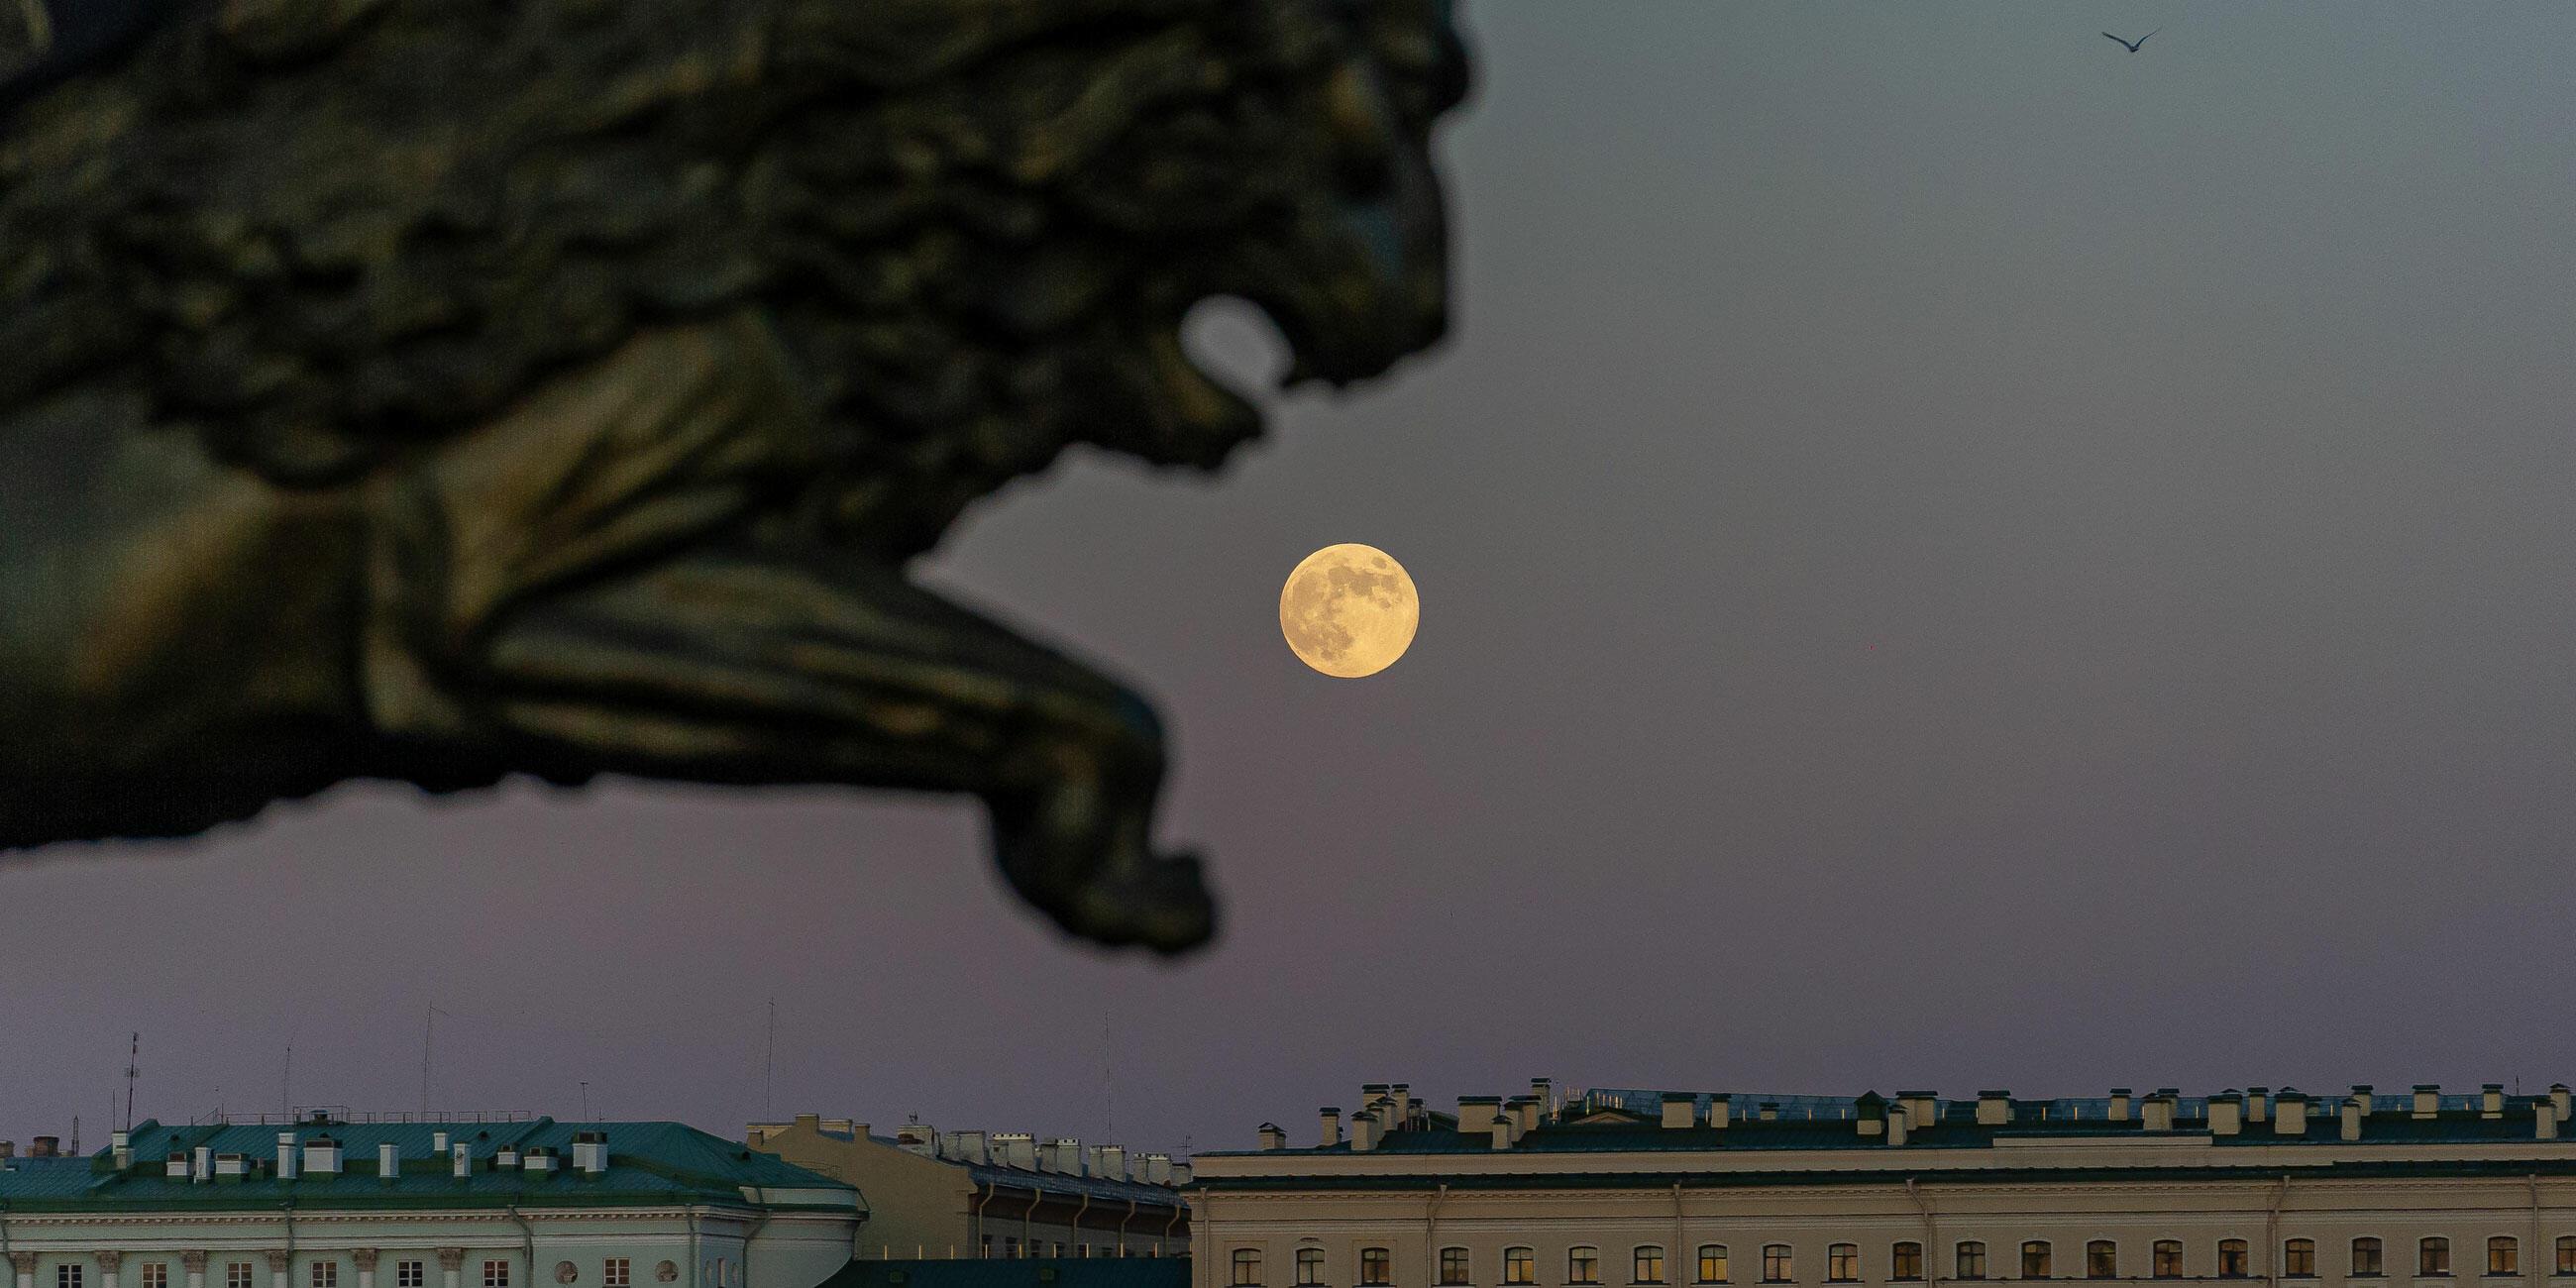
2428, 1099
438, 1143
506, 1158
2491, 1100
2226, 1113
590, 1152
1994, 1108
2119, 1104
231, 1167
1681, 1109
1271, 1136
176, 1167
539, 1161
1769, 1110
2292, 1120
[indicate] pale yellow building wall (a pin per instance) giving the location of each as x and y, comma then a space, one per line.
916, 1206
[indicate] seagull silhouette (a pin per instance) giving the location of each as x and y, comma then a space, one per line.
2132, 47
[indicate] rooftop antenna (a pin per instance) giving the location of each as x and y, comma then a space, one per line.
585, 1102
133, 1070
1108, 1083
286, 1086
769, 1062
75, 1135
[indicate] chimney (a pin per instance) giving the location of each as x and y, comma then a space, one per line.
1158, 1169
1364, 1131
438, 1143
1871, 1111
1543, 1090
2158, 1112
917, 1138
1476, 1114
1271, 1137
2491, 1100
1331, 1118
462, 1157
176, 1166
1402, 1094
389, 1162
2558, 1099
8, 1149
322, 1156
2293, 1118
1899, 1121
2428, 1099
590, 1152
1680, 1109
967, 1146
1371, 1093
1767, 1111
2258, 1104
1017, 1149
2544, 1116
1994, 1108
231, 1167
286, 1156
1523, 1111
2226, 1113
2119, 1104
539, 1161
2351, 1114
850, 1127
120, 1146
1921, 1108
1113, 1162
44, 1147
1068, 1151
201, 1167
1721, 1108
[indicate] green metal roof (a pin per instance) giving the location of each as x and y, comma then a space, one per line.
1016, 1272
648, 1162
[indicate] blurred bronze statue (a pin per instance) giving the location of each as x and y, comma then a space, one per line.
440, 390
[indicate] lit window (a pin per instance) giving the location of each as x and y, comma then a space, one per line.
2101, 1259
237, 1274
1520, 1266
1247, 1267
2365, 1258
2433, 1256
1972, 1261
1842, 1263
1646, 1264
1453, 1266
1377, 1268
1712, 1263
2504, 1256
2567, 1254
1310, 1266
2035, 1259
1583, 1265
1776, 1267
67, 1277
325, 1274
1905, 1262
496, 1274
2231, 1259
616, 1272
2168, 1259
2299, 1258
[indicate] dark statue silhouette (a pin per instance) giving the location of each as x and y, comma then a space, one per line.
440, 390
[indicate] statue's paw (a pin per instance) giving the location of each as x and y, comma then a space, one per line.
1159, 901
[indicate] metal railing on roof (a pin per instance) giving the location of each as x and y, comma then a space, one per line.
341, 1116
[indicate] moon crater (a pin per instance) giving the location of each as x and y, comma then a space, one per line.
1349, 610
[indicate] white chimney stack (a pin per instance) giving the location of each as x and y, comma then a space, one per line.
438, 1143
232, 1166
389, 1162
1158, 1169
286, 1156
175, 1167
463, 1161
2428, 1099
2226, 1113
1364, 1130
1113, 1162
203, 1168
1331, 1116
322, 1156
2292, 1118
590, 1152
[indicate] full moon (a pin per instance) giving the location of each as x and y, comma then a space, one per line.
1349, 610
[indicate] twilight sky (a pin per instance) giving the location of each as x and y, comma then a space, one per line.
1952, 556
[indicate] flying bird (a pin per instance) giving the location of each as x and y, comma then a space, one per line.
2132, 46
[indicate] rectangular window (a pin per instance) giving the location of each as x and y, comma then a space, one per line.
2035, 1259
2101, 1259
1453, 1266
496, 1274
2299, 1258
2433, 1256
2504, 1255
1712, 1263
2168, 1259
1972, 1261
1776, 1266
67, 1276
1520, 1266
2232, 1259
1646, 1265
237, 1274
1905, 1263
1247, 1268
2365, 1259
2567, 1254
324, 1274
616, 1272
1583, 1266
1377, 1268
1310, 1267
1842, 1263
156, 1274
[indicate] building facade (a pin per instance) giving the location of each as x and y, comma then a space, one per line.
526, 1204
972, 1194
1630, 1189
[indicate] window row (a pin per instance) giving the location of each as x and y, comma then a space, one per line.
1904, 1262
